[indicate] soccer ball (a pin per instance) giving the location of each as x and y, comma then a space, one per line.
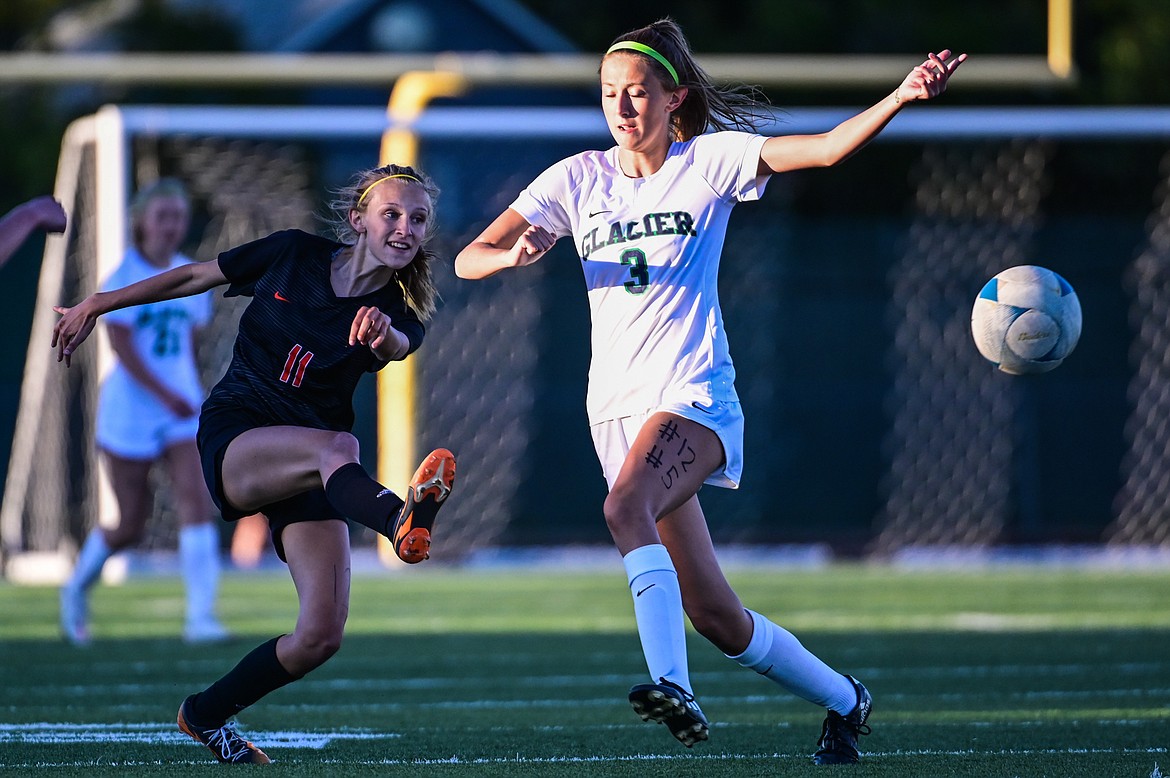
1026, 320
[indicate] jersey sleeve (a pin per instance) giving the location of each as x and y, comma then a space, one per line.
544, 202
409, 325
244, 265
730, 161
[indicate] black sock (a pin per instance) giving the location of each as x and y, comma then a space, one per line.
257, 674
359, 497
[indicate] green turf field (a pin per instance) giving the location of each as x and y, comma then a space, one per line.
1000, 672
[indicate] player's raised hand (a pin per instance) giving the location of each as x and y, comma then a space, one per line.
369, 327
930, 78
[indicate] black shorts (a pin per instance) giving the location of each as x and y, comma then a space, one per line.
218, 427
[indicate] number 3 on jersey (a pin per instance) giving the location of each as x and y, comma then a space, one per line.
635, 259
295, 365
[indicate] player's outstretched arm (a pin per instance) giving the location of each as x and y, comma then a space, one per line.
797, 152
40, 213
77, 322
509, 241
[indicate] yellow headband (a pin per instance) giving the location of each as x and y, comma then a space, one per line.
649, 52
416, 179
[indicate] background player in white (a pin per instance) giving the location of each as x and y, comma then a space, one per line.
148, 414
648, 218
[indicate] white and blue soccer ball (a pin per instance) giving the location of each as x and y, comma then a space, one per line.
1026, 320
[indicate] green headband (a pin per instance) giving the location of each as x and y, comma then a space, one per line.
649, 52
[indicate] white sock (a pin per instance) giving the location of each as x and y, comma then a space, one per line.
93, 556
659, 612
199, 561
776, 654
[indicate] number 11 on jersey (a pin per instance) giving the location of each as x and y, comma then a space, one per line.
294, 368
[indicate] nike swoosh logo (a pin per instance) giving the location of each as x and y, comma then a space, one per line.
648, 588
281, 297
700, 407
598, 213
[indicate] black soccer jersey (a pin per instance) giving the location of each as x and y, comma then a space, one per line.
292, 362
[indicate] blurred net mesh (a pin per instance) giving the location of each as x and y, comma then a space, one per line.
480, 369
949, 448
1143, 504
477, 392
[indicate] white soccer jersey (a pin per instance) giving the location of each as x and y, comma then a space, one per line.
650, 250
162, 336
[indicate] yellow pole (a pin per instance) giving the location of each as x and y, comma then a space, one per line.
1060, 58
397, 438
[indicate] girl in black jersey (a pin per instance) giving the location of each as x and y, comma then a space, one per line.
274, 433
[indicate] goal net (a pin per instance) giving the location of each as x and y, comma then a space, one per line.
923, 443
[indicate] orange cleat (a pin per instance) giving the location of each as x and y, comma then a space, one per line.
223, 741
428, 490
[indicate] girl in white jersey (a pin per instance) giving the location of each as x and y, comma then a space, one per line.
648, 218
148, 413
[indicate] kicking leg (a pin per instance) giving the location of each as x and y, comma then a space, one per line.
268, 464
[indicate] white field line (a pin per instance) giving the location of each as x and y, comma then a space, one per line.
603, 760
55, 733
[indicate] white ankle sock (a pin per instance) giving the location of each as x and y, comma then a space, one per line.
659, 612
93, 556
776, 654
199, 561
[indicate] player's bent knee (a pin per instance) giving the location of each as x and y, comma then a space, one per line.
340, 448
314, 647
725, 627
623, 514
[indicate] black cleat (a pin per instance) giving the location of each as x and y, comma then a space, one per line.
838, 742
668, 703
223, 741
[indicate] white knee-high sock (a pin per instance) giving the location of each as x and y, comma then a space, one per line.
659, 612
199, 561
93, 556
776, 654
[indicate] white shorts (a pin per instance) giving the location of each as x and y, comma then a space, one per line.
139, 426
612, 439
